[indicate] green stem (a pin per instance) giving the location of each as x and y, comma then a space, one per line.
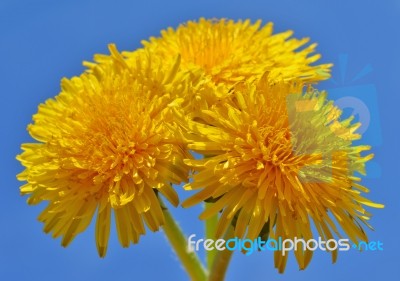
178, 241
222, 260
210, 228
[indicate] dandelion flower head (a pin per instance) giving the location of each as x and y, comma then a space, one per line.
281, 159
106, 143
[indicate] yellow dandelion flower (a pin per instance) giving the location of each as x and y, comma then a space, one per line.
106, 143
230, 52
282, 160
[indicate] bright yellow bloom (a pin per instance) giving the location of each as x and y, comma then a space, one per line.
224, 52
280, 158
106, 142
230, 52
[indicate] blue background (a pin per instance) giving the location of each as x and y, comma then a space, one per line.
43, 41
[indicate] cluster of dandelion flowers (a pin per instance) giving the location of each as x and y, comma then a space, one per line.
230, 52
279, 159
106, 142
